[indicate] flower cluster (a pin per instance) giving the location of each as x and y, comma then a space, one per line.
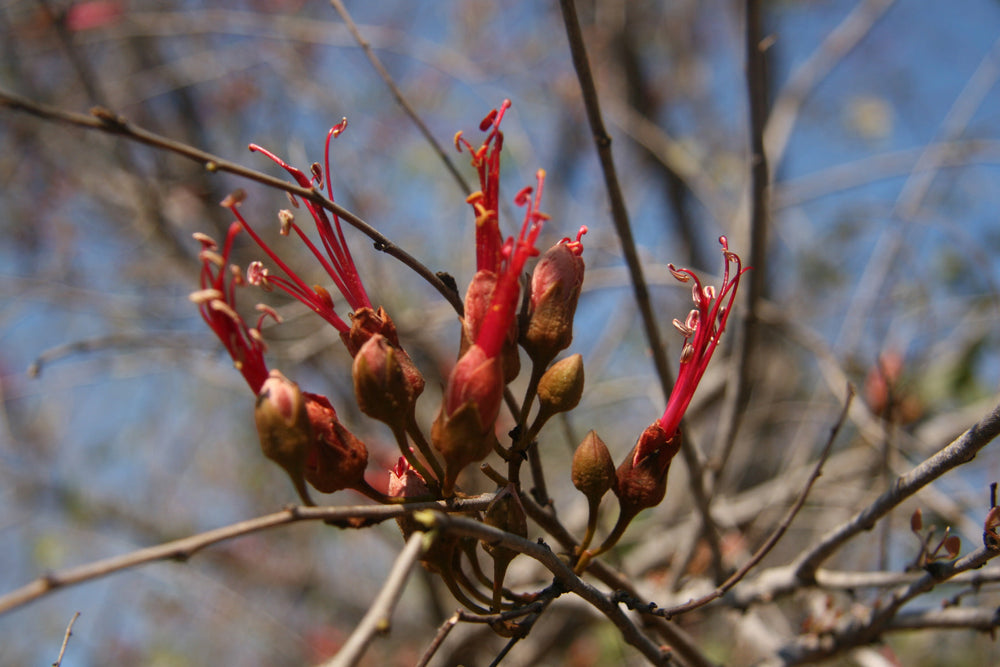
301, 432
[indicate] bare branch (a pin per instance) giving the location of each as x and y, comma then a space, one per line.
563, 574
65, 641
184, 548
377, 619
108, 122
398, 96
962, 450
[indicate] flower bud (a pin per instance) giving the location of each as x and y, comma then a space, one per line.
642, 476
366, 323
405, 482
477, 303
463, 430
284, 429
338, 459
380, 385
555, 290
593, 470
561, 386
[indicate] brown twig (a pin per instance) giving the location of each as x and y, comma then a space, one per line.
376, 619
182, 549
65, 641
562, 573
108, 122
771, 541
808, 650
398, 95
959, 451
623, 228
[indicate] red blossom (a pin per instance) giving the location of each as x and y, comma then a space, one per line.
335, 256
514, 253
217, 303
486, 202
702, 330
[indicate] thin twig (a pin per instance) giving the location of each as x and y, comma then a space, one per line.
623, 228
182, 549
959, 451
65, 641
376, 620
108, 122
439, 638
782, 527
745, 340
398, 95
809, 650
562, 572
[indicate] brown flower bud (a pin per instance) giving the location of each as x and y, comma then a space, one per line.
593, 470
380, 385
561, 386
286, 435
555, 290
642, 483
338, 459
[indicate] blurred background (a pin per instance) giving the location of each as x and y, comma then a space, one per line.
132, 428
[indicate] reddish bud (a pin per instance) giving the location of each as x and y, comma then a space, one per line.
555, 290
593, 470
380, 385
478, 300
463, 430
338, 459
286, 435
642, 476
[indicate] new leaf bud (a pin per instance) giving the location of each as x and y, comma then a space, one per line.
380, 385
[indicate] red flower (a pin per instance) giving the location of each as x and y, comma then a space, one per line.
335, 258
486, 202
702, 330
217, 303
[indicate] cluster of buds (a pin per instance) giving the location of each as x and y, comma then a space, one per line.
300, 431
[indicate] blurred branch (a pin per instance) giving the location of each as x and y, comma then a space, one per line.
619, 215
377, 619
106, 121
121, 341
961, 450
65, 641
182, 549
812, 649
449, 165
771, 541
950, 618
834, 48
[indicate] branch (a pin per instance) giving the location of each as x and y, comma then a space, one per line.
769, 544
65, 641
182, 549
962, 450
104, 120
619, 215
562, 573
398, 95
813, 649
377, 619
